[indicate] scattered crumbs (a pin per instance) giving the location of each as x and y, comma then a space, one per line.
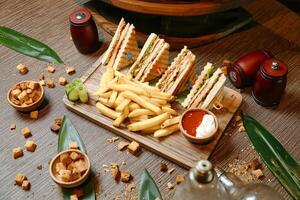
51, 69
170, 186
123, 163
122, 145
12, 127
113, 139
170, 171
22, 69
34, 114
179, 179
50, 83
241, 129
62, 81
163, 167
41, 76
130, 187
70, 70
39, 167
42, 82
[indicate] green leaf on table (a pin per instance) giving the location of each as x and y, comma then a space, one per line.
28, 46
68, 133
148, 188
274, 155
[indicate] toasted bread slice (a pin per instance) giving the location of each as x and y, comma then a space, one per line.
202, 78
114, 42
128, 52
176, 76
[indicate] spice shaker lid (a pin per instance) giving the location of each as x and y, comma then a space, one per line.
80, 16
274, 68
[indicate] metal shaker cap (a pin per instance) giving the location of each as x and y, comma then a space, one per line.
203, 172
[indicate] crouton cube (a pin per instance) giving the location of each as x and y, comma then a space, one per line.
30, 146
170, 186
17, 152
73, 145
55, 128
28, 101
163, 167
16, 92
71, 166
26, 185
75, 175
179, 179
42, 82
26, 132
62, 81
50, 83
81, 166
12, 126
32, 85
122, 145
70, 70
50, 69
115, 172
73, 197
28, 91
75, 156
257, 173
58, 121
133, 147
34, 114
64, 175
65, 159
19, 178
23, 96
125, 176
22, 69
59, 166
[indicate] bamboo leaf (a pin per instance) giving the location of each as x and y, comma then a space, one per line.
28, 46
68, 133
274, 155
148, 189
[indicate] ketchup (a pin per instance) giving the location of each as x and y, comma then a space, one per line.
191, 120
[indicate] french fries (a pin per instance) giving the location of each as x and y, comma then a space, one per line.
139, 106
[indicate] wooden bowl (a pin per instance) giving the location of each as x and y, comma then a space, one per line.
193, 138
70, 184
27, 108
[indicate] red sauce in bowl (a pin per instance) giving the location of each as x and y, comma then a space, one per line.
191, 120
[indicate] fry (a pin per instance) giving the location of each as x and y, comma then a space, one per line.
148, 123
128, 87
138, 118
104, 101
166, 131
106, 77
107, 111
119, 100
105, 95
122, 105
139, 112
170, 122
112, 98
133, 106
149, 100
141, 102
150, 130
117, 122
169, 110
159, 101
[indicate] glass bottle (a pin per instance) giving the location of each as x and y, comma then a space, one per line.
238, 190
202, 183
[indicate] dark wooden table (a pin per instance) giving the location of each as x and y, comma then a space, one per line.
276, 28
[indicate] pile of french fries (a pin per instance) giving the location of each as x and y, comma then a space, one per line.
141, 107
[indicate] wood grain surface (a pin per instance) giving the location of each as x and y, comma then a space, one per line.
276, 28
175, 148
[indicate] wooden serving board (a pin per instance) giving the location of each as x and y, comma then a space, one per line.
174, 147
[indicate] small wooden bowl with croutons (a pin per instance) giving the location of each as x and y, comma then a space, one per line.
70, 168
26, 96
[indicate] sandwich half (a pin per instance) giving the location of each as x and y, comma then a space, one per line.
208, 86
180, 72
123, 49
152, 61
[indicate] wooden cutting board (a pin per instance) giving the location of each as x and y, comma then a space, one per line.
174, 147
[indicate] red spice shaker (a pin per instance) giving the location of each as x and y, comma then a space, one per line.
84, 31
270, 82
243, 71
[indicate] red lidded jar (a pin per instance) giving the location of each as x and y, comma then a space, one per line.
270, 82
243, 71
84, 31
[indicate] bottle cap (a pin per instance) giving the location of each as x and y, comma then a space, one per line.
274, 68
203, 172
80, 16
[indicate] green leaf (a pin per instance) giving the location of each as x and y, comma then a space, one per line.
28, 46
68, 133
274, 155
181, 96
148, 189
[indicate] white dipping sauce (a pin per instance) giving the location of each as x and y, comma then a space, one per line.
206, 127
